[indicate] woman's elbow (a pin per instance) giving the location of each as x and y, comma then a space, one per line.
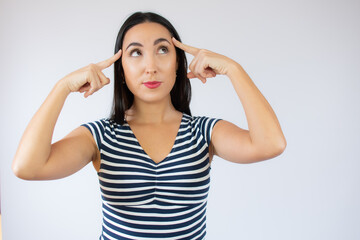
282, 146
272, 151
21, 171
279, 149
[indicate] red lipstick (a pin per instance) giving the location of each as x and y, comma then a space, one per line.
153, 84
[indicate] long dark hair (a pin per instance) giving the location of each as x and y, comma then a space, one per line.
123, 97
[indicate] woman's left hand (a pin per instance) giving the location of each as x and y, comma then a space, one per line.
206, 64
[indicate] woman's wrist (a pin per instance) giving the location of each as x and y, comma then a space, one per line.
63, 87
234, 69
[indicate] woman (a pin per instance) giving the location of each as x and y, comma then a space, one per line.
152, 156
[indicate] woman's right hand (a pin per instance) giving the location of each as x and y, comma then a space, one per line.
90, 78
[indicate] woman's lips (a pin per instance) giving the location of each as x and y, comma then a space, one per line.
153, 84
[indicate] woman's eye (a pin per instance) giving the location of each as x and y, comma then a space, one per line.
137, 51
133, 51
164, 48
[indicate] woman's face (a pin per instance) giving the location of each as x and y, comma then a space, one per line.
149, 56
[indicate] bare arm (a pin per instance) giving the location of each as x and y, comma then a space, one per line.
36, 158
35, 144
264, 139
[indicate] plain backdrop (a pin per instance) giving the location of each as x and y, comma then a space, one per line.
304, 56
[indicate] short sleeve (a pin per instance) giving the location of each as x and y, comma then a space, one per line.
97, 129
206, 125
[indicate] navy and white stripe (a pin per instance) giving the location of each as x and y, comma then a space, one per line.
147, 200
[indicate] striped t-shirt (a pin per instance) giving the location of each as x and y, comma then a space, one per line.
142, 199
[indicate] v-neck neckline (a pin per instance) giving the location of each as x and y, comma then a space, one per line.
142, 149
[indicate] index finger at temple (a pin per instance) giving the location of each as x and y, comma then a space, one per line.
189, 49
108, 62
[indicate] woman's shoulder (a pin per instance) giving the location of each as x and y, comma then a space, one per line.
106, 123
203, 125
199, 118
200, 121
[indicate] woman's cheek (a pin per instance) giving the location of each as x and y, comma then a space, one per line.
131, 69
169, 63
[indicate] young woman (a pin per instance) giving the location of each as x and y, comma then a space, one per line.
151, 155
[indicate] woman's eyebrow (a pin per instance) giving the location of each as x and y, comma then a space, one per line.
157, 41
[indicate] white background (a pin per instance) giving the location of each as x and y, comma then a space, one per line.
304, 56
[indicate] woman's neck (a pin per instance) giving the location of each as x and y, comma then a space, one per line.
151, 112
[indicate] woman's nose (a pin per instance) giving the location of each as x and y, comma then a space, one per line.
151, 65
151, 71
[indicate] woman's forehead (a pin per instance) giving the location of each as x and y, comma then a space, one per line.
146, 33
